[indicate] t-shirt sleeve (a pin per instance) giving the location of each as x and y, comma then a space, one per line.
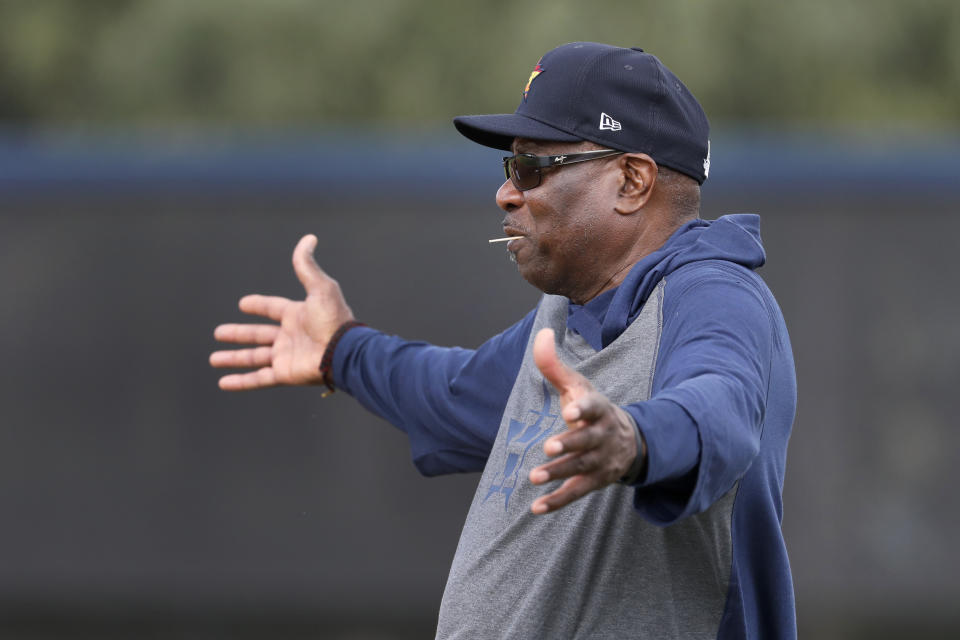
703, 422
449, 401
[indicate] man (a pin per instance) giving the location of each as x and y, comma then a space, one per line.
632, 429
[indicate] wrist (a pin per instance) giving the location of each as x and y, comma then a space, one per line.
326, 362
637, 471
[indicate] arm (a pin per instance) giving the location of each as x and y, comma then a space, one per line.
700, 430
449, 401
704, 420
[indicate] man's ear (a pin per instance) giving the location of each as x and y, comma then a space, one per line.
638, 174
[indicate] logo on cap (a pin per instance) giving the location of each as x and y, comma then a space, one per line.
706, 162
608, 124
537, 70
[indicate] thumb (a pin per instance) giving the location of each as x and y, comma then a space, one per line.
308, 271
553, 369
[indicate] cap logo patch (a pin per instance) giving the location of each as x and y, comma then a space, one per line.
608, 124
537, 70
706, 162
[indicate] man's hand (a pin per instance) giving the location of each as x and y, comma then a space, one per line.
291, 352
600, 445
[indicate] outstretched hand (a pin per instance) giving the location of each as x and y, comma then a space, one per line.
288, 352
598, 448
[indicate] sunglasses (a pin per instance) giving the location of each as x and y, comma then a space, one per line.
523, 169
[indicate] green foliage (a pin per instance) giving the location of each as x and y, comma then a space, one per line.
281, 63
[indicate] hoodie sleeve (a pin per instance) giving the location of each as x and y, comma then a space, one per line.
703, 422
449, 401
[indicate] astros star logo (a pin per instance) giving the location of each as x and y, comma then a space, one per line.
522, 436
537, 70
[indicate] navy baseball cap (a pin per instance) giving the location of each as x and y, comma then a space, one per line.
624, 99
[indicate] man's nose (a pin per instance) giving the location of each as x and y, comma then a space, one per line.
509, 197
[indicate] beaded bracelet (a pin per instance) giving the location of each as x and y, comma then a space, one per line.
326, 362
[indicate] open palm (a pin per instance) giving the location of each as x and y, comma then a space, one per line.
290, 352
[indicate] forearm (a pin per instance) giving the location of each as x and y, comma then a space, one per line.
408, 385
449, 401
701, 438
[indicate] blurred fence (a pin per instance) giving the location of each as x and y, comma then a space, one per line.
139, 499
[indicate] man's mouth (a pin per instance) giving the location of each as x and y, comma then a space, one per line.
512, 231
517, 236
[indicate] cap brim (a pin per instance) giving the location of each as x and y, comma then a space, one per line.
499, 130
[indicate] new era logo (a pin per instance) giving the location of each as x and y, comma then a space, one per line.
608, 124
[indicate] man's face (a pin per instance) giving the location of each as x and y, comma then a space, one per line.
564, 223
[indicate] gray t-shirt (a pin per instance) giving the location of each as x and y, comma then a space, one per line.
594, 569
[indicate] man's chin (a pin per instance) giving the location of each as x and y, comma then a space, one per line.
538, 279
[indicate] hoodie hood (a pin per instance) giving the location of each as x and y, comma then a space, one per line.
732, 238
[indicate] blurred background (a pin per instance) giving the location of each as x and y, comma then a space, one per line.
160, 159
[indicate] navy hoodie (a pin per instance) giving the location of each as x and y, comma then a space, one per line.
721, 408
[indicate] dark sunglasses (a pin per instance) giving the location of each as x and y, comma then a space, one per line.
523, 169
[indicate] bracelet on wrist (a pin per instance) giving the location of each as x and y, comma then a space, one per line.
326, 362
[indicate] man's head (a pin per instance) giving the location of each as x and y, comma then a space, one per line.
585, 219
585, 224
618, 98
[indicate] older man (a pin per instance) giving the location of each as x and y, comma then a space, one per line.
632, 429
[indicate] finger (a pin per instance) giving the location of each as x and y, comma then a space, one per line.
581, 439
305, 265
572, 464
572, 489
558, 374
268, 306
242, 358
247, 333
259, 379
588, 408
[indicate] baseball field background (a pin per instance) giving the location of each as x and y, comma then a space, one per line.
160, 159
